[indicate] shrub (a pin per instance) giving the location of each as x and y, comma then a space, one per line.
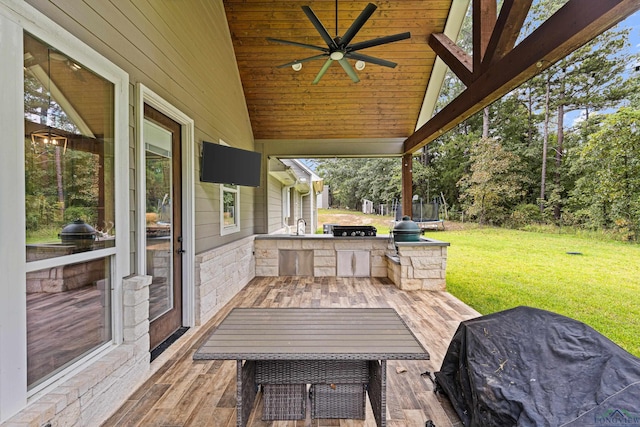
523, 215
87, 214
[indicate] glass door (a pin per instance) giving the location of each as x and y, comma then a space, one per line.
163, 224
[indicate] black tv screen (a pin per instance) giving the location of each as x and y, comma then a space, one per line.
228, 165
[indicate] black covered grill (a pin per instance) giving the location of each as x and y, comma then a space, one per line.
354, 230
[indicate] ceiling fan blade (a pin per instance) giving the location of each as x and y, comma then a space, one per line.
371, 59
349, 69
319, 27
358, 23
323, 70
299, 61
378, 41
308, 46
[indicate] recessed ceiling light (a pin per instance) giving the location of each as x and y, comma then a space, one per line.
297, 66
360, 65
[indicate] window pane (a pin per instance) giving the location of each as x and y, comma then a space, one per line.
159, 218
68, 315
229, 208
69, 155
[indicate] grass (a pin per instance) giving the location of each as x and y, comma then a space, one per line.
43, 235
494, 269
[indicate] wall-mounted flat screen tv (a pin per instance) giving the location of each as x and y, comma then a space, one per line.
229, 165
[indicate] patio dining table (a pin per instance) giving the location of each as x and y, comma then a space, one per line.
321, 347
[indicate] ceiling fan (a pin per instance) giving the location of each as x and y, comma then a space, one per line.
341, 48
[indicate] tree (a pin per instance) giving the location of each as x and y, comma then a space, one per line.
449, 161
589, 79
493, 184
609, 187
512, 121
352, 180
634, 84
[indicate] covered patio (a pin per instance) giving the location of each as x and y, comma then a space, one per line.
210, 71
184, 392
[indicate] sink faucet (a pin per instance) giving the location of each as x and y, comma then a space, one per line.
300, 229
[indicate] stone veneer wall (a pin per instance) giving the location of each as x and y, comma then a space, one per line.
324, 253
65, 277
418, 267
90, 395
220, 273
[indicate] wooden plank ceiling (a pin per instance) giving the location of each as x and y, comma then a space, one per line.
284, 104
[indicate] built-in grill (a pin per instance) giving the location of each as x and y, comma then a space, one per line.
354, 230
406, 231
80, 234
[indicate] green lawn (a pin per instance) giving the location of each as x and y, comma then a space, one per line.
494, 269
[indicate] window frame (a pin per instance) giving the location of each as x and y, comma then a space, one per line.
16, 18
235, 190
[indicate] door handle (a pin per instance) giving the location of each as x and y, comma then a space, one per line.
180, 251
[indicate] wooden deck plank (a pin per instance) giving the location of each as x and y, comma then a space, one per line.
185, 392
207, 399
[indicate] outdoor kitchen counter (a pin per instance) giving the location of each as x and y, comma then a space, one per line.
384, 237
380, 237
414, 266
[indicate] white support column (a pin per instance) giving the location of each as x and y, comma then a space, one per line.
13, 327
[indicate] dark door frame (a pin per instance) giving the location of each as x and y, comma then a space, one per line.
164, 326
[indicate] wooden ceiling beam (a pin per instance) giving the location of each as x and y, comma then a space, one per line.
484, 20
456, 59
573, 25
506, 31
492, 38
325, 146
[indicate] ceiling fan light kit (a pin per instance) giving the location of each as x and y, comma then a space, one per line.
340, 48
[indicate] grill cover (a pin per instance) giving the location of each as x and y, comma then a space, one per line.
530, 367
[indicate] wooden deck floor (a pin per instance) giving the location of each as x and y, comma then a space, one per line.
184, 392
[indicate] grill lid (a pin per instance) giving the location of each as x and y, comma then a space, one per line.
406, 231
406, 226
78, 229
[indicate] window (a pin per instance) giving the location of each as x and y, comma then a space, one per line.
68, 315
229, 209
286, 204
69, 148
69, 155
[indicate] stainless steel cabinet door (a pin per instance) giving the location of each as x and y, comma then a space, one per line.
295, 262
353, 263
